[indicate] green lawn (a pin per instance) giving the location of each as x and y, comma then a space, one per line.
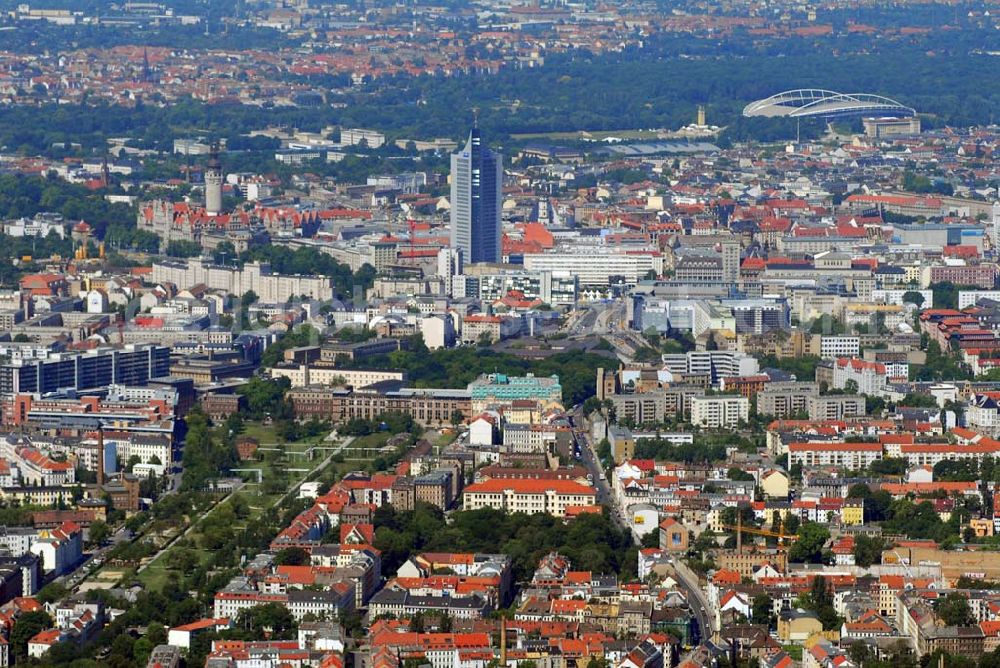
444, 438
360, 444
794, 651
155, 575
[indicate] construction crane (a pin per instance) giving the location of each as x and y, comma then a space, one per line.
740, 530
412, 225
781, 536
905, 563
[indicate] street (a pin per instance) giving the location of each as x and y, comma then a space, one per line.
588, 457
687, 580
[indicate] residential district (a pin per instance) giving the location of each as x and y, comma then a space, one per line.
638, 401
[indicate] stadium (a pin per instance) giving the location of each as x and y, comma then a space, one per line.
827, 104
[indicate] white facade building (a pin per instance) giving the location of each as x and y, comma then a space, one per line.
967, 298
595, 266
271, 288
438, 331
714, 363
719, 411
869, 377
833, 347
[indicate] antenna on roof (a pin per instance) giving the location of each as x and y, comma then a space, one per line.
475, 117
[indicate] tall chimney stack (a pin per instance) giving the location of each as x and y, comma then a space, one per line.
503, 642
100, 456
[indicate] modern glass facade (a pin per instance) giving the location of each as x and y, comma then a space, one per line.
476, 182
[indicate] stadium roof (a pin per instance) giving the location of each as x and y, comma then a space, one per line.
813, 102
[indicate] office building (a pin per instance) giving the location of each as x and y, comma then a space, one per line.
361, 137
876, 128
476, 181
597, 266
100, 367
715, 364
558, 288
501, 389
833, 347
450, 264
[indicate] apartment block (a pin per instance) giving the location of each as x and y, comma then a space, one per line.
719, 411
528, 496
835, 407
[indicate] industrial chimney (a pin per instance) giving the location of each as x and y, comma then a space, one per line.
100, 456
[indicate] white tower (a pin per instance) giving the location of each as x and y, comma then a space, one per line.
995, 238
213, 183
449, 265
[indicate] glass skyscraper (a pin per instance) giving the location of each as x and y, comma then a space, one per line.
476, 181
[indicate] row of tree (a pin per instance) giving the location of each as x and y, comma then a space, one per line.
591, 542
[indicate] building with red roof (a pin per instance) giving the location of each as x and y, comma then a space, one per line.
528, 496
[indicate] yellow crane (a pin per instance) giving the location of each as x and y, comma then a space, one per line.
740, 530
781, 536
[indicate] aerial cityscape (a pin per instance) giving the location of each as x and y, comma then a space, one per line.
500, 334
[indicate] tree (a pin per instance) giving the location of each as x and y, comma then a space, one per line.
917, 400
183, 248
890, 466
819, 600
860, 652
737, 474
291, 556
590, 405
248, 299
868, 550
762, 609
51, 593
945, 295
266, 397
27, 626
98, 533
776, 523
954, 610
827, 324
604, 451
812, 537
182, 559
224, 253
913, 297
271, 618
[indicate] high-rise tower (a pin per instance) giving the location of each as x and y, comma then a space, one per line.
213, 183
449, 266
476, 181
996, 227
